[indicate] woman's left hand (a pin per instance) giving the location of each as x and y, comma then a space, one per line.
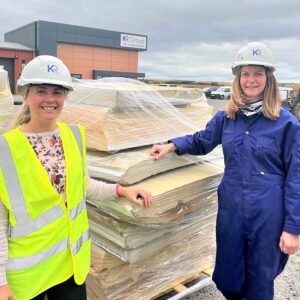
289, 243
132, 194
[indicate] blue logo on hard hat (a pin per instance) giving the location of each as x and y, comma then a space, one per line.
257, 52
52, 68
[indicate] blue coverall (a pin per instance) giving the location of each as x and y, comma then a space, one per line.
259, 198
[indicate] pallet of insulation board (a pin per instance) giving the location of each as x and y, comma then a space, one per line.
147, 278
6, 99
134, 165
132, 242
126, 114
110, 130
124, 92
175, 194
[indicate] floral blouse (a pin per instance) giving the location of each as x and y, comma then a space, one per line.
49, 149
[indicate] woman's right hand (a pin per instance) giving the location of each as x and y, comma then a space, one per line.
160, 150
5, 293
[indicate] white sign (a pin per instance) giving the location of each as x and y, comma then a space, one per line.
133, 41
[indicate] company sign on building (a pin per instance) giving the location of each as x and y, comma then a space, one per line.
133, 41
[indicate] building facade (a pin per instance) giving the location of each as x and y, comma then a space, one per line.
14, 57
89, 53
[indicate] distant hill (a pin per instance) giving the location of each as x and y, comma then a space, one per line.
202, 84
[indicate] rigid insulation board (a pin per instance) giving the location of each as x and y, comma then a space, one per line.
175, 193
146, 278
112, 130
120, 92
134, 243
131, 166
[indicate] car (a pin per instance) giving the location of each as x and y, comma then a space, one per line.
168, 85
187, 86
207, 90
223, 92
286, 93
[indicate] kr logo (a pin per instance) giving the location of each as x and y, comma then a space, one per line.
257, 52
52, 68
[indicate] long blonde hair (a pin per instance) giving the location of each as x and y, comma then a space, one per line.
271, 97
23, 114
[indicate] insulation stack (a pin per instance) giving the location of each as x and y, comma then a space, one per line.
139, 252
6, 98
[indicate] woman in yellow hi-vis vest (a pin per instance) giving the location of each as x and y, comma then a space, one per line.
44, 234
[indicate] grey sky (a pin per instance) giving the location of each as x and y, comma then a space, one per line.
190, 39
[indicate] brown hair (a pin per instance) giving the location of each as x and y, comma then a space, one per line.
271, 97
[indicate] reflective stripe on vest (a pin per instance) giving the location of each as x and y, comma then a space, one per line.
12, 183
20, 263
85, 236
74, 212
25, 224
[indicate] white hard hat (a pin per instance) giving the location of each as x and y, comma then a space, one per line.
45, 69
254, 53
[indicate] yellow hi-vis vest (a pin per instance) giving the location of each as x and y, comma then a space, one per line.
48, 241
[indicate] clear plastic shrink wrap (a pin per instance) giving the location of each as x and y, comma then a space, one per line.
133, 243
6, 98
138, 252
175, 193
121, 113
153, 275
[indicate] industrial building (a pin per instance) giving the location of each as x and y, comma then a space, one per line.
89, 53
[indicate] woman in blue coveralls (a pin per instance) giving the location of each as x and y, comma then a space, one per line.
258, 223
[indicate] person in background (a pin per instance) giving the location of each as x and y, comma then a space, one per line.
258, 222
44, 233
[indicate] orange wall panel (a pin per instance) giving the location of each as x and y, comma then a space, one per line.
119, 59
83, 59
132, 68
100, 65
102, 51
65, 46
133, 54
98, 56
119, 52
119, 67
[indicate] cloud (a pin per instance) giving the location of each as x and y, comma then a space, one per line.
186, 39
213, 61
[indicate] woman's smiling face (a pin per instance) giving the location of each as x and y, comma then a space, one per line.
45, 101
253, 82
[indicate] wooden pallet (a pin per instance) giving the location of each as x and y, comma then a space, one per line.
180, 287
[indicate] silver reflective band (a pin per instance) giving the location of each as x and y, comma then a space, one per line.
40, 221
74, 212
77, 135
12, 183
85, 236
76, 132
20, 263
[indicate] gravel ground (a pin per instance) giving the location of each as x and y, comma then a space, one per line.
287, 284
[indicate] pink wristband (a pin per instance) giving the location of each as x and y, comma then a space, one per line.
117, 189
